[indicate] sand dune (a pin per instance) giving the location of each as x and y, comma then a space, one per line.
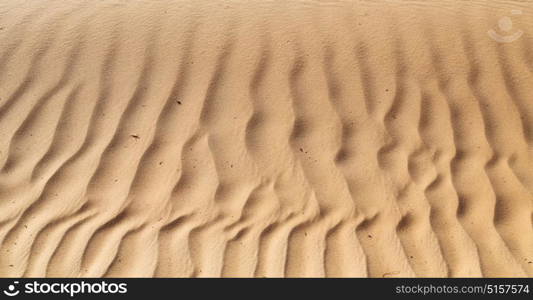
266, 138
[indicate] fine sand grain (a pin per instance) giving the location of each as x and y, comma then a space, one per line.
266, 138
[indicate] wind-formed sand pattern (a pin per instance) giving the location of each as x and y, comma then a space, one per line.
265, 138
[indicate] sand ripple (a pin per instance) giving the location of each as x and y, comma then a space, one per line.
265, 138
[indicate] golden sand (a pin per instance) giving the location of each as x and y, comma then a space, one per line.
266, 138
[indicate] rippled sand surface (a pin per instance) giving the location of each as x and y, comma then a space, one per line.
266, 138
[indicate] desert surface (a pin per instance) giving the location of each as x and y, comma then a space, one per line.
266, 138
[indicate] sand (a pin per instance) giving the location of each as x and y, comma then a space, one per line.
266, 138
